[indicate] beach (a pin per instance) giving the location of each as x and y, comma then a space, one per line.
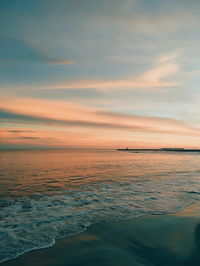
99, 133
172, 239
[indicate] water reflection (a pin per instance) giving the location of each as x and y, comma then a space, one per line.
29, 172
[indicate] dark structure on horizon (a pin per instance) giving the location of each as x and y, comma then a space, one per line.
162, 149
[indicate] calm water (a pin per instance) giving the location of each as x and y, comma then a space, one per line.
45, 195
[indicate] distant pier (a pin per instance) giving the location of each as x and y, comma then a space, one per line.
160, 150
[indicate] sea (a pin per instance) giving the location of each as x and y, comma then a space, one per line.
50, 194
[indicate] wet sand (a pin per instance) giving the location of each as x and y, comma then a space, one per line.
149, 240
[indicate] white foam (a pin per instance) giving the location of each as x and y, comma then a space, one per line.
36, 221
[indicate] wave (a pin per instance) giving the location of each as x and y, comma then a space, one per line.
36, 221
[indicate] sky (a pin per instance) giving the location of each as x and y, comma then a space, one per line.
99, 74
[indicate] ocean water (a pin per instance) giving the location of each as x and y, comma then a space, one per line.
47, 195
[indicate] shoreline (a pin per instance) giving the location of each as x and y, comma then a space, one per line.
161, 239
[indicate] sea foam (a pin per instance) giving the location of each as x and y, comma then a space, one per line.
36, 221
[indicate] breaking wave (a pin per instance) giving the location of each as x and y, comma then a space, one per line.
36, 221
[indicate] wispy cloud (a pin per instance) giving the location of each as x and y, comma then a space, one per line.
60, 113
159, 76
18, 51
168, 57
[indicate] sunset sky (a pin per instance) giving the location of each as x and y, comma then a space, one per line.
99, 73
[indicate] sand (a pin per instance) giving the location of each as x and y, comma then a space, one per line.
172, 239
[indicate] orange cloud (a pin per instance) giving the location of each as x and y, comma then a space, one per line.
64, 114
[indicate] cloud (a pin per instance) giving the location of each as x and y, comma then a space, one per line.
156, 77
19, 118
17, 131
18, 51
26, 137
64, 114
165, 58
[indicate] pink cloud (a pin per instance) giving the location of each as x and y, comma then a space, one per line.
62, 114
